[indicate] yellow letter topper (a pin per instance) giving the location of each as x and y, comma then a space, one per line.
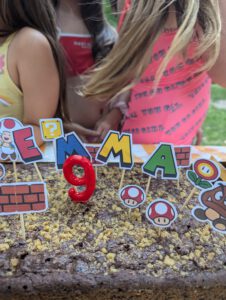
119, 145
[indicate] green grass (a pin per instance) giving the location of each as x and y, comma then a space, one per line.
108, 12
215, 124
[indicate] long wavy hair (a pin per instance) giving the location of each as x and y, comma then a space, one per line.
40, 15
143, 24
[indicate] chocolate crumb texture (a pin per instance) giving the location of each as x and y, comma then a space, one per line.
103, 250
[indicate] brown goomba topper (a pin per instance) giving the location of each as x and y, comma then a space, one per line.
214, 210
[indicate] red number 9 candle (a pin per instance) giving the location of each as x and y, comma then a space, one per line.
88, 180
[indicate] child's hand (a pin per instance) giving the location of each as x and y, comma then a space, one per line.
199, 137
109, 121
85, 134
102, 127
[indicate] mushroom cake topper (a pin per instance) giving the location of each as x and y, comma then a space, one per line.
204, 172
132, 196
161, 213
213, 207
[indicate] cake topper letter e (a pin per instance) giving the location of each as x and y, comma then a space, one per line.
26, 145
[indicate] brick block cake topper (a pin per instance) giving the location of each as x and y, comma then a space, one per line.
93, 150
183, 156
23, 197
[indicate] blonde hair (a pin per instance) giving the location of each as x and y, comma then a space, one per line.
143, 23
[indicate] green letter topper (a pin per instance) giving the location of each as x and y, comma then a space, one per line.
163, 159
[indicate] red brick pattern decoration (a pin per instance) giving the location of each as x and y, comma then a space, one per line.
93, 149
23, 197
183, 156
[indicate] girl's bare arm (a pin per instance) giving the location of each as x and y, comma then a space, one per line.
113, 116
37, 78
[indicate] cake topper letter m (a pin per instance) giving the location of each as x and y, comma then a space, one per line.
119, 146
67, 146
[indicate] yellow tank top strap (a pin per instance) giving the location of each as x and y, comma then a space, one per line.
4, 52
4, 47
11, 97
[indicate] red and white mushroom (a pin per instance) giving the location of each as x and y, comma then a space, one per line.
132, 196
10, 124
161, 213
8, 149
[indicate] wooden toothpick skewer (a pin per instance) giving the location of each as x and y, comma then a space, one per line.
189, 197
159, 232
148, 185
21, 215
178, 181
96, 173
39, 173
122, 179
62, 179
130, 212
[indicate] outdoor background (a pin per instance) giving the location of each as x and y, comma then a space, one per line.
214, 128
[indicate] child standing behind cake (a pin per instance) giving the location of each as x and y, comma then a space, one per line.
31, 66
167, 53
87, 38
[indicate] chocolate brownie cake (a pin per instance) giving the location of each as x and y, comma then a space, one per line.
102, 251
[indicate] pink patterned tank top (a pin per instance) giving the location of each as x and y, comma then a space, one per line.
178, 107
